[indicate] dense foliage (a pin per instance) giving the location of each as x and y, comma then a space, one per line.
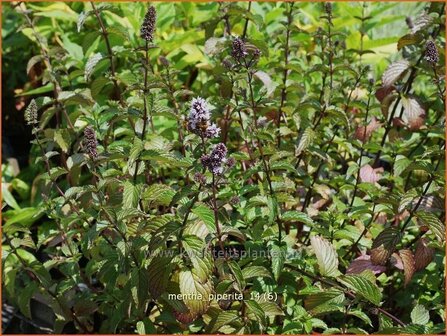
227, 167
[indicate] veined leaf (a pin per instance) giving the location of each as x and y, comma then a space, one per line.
384, 245
363, 287
326, 255
394, 72
420, 315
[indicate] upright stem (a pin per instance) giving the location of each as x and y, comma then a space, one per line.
216, 219
105, 34
285, 72
244, 34
261, 151
145, 107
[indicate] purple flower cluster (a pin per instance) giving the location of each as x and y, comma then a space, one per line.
431, 52
90, 142
31, 113
239, 50
199, 119
215, 161
148, 27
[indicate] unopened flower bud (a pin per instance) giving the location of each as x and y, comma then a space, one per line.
90, 142
148, 27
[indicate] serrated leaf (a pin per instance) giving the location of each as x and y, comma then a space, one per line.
420, 315
326, 256
206, 215
408, 39
421, 22
414, 113
62, 138
32, 62
255, 271
158, 275
394, 72
131, 195
266, 80
278, 255
363, 287
195, 293
297, 216
214, 45
305, 140
408, 264
324, 302
90, 65
222, 319
158, 194
384, 245
423, 255
433, 222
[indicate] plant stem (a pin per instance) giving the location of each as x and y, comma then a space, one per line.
285, 72
145, 108
105, 35
414, 209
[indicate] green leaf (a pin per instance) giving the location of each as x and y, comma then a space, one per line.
271, 309
433, 222
24, 298
324, 302
256, 310
326, 256
131, 195
305, 140
278, 255
222, 319
159, 271
158, 194
420, 315
384, 245
24, 216
363, 287
195, 293
237, 273
269, 84
255, 271
206, 215
394, 72
62, 138
297, 216
90, 65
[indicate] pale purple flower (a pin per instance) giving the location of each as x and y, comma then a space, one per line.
199, 119
216, 159
212, 131
199, 114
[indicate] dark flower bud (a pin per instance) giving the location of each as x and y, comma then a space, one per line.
230, 162
227, 64
164, 61
431, 52
328, 8
257, 53
261, 122
239, 49
216, 159
31, 113
409, 22
199, 178
90, 142
148, 27
235, 200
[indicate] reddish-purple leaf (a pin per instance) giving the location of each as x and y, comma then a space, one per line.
363, 263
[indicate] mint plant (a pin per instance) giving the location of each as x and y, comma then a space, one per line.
231, 167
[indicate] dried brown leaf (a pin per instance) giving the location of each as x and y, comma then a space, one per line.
423, 255
408, 263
